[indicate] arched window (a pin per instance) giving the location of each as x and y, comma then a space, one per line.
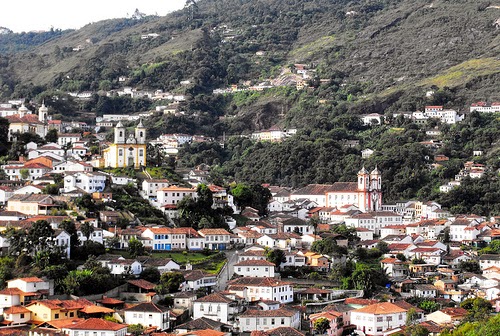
141, 134
121, 133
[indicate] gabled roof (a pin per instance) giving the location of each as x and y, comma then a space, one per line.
314, 189
381, 309
257, 262
201, 324
141, 283
284, 331
205, 232
215, 297
16, 310
257, 282
454, 311
96, 324
283, 311
147, 307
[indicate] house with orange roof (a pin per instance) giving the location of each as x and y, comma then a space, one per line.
377, 318
168, 239
32, 284
34, 170
96, 326
404, 248
174, 194
317, 261
10, 297
49, 310
216, 239
16, 315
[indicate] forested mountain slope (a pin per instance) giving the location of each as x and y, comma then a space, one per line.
383, 44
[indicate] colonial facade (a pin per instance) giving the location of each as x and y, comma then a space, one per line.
366, 193
126, 151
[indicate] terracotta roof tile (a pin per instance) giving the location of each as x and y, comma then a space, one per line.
96, 324
381, 309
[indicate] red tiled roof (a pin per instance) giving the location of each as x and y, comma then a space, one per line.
381, 309
454, 311
257, 262
30, 279
97, 324
16, 310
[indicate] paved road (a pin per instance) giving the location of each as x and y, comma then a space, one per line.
227, 272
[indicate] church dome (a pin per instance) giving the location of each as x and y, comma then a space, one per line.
43, 108
375, 171
23, 108
363, 171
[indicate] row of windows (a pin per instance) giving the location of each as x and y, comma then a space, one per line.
202, 308
163, 236
253, 269
141, 152
264, 321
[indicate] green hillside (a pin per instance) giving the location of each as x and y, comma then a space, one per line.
384, 44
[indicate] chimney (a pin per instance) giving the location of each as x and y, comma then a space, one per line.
21, 158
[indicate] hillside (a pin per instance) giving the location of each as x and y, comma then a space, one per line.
389, 44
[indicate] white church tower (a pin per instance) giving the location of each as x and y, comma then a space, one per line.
43, 113
120, 136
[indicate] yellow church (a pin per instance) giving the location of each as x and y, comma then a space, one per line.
126, 151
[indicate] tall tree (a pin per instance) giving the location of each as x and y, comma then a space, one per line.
276, 256
87, 229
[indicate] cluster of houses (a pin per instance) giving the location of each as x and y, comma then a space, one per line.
273, 134
471, 169
446, 116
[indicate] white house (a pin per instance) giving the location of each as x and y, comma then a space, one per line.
254, 289
374, 220
86, 181
29, 189
148, 314
95, 326
366, 153
372, 119
71, 166
377, 318
16, 315
488, 260
255, 268
197, 279
124, 267
150, 187
5, 193
174, 194
167, 239
215, 239
64, 139
424, 290
254, 319
31, 285
216, 306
